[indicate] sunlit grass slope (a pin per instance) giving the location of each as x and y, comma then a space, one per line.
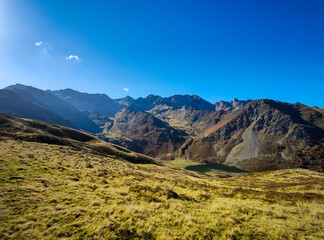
49, 191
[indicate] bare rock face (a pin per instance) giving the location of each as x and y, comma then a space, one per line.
264, 135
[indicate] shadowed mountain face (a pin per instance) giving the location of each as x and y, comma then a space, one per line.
56, 106
13, 104
94, 103
97, 107
142, 132
252, 135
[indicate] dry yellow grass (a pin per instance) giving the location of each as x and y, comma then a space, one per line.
50, 192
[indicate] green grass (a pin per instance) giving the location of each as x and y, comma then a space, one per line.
181, 162
57, 192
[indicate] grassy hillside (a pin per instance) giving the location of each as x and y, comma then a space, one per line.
50, 191
43, 132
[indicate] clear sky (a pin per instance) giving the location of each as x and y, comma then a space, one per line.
218, 49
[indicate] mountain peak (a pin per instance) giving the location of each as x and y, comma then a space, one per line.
125, 101
18, 86
234, 104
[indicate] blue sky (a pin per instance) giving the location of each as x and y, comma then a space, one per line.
218, 49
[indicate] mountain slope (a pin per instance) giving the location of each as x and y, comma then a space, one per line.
43, 132
188, 113
55, 105
96, 103
189, 119
264, 135
142, 132
313, 115
126, 101
13, 104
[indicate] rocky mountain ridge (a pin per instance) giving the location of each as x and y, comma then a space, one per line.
235, 104
254, 134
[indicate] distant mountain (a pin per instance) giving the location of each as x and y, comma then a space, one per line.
148, 102
189, 101
126, 101
13, 104
176, 102
185, 112
230, 106
56, 106
140, 131
95, 103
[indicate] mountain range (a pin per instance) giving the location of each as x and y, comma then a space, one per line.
60, 183
254, 135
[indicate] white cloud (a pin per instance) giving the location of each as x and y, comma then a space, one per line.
76, 57
45, 47
126, 89
39, 43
